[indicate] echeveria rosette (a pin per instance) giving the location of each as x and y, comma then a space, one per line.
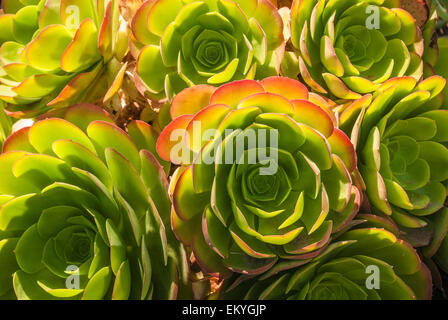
401, 140
79, 192
342, 270
236, 217
55, 53
341, 51
181, 43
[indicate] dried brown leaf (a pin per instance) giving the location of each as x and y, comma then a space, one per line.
418, 9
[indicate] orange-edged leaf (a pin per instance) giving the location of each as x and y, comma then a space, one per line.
267, 15
18, 141
162, 13
250, 245
187, 203
314, 116
83, 114
348, 118
408, 31
338, 88
40, 85
191, 100
268, 102
309, 79
433, 84
46, 49
43, 133
208, 118
74, 12
82, 51
50, 14
342, 146
105, 135
172, 136
105, 38
376, 189
289, 88
116, 84
139, 24
76, 88
9, 96
232, 93
19, 71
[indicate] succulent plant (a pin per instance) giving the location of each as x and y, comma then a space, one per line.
85, 212
181, 43
349, 48
55, 53
346, 270
265, 176
401, 140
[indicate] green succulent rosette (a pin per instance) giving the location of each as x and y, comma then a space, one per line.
347, 48
85, 212
364, 264
182, 43
271, 184
56, 53
401, 140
